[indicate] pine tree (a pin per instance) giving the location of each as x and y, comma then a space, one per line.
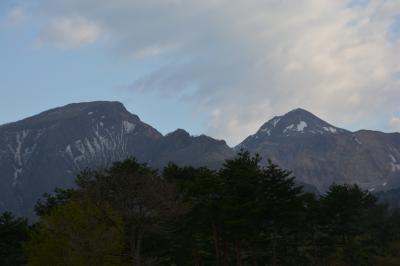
13, 232
197, 233
281, 214
349, 218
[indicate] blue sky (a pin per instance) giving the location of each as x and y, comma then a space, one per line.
34, 79
215, 67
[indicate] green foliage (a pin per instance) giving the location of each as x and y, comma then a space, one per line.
50, 201
239, 215
77, 233
196, 234
351, 221
243, 214
246, 214
345, 208
13, 232
144, 200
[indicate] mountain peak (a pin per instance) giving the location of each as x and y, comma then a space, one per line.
299, 110
179, 133
301, 113
295, 122
94, 103
87, 108
82, 109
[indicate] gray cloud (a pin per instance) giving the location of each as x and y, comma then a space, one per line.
242, 62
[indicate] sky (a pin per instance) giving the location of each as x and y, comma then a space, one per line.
218, 67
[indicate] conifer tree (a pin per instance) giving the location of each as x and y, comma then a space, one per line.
13, 232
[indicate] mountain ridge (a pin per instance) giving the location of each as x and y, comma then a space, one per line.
312, 147
47, 150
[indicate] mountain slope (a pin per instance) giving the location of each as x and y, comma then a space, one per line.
321, 154
46, 151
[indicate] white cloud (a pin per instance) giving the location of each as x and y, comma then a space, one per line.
68, 33
245, 61
394, 124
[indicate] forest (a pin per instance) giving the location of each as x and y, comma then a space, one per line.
243, 214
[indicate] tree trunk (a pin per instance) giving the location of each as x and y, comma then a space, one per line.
196, 259
137, 237
274, 255
216, 244
138, 257
238, 253
225, 255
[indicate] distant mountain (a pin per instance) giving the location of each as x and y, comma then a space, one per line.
320, 154
46, 151
298, 122
181, 148
390, 197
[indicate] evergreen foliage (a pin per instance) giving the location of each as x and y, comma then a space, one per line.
243, 214
13, 232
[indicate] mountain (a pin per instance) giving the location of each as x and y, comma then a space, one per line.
181, 148
47, 150
390, 197
320, 154
298, 122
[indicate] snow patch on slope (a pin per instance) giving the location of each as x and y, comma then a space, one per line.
104, 146
269, 126
267, 130
330, 129
301, 126
275, 121
290, 127
128, 126
20, 153
16, 150
393, 164
358, 141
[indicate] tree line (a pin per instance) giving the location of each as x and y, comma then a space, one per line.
244, 214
